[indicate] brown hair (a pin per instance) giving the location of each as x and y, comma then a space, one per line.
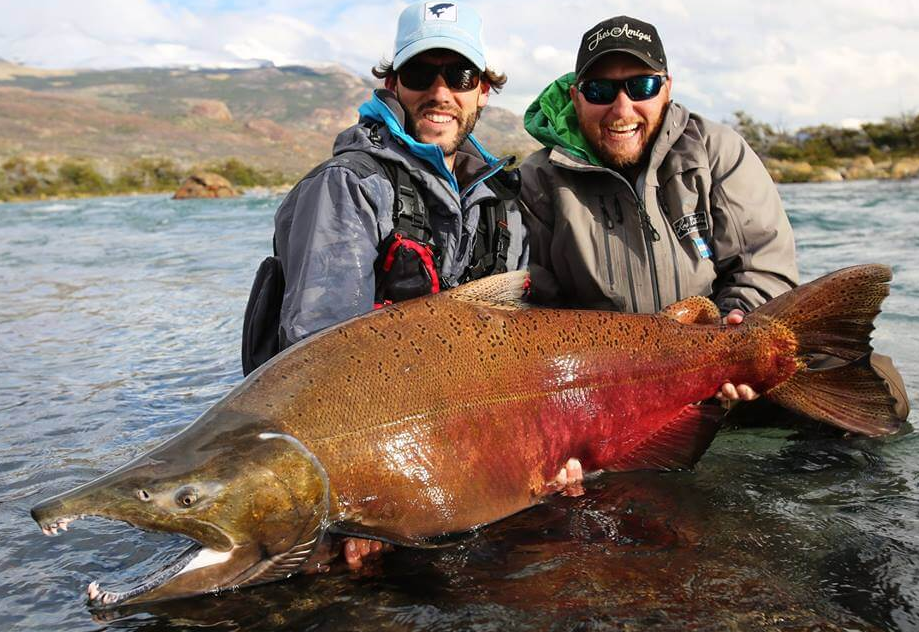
384, 71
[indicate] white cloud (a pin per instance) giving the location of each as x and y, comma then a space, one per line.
785, 62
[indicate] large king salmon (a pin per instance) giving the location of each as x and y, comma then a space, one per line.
454, 410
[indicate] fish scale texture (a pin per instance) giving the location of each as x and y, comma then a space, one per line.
458, 412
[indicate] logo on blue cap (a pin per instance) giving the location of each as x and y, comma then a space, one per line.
440, 11
450, 25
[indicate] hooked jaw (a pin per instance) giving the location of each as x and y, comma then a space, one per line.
198, 569
252, 522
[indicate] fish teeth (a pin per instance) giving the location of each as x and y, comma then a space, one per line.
96, 594
61, 524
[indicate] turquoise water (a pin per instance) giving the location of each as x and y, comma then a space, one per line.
119, 324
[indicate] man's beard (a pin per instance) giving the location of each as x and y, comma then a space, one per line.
465, 125
620, 162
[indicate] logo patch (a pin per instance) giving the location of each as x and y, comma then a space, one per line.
617, 32
697, 222
440, 11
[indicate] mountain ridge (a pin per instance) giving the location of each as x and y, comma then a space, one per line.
279, 118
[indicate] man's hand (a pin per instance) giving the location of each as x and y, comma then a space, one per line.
569, 479
359, 549
742, 392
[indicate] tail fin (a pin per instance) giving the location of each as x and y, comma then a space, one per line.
834, 316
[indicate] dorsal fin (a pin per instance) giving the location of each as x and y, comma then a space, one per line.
695, 310
500, 291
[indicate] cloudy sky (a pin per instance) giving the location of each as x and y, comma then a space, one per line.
787, 62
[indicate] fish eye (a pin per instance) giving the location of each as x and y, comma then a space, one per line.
142, 495
186, 497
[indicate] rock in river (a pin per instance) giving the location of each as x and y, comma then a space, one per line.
202, 184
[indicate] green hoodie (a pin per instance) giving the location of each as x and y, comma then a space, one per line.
551, 120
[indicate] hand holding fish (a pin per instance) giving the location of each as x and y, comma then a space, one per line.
730, 393
356, 550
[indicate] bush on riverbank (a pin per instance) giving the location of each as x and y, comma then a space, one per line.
823, 153
24, 178
242, 175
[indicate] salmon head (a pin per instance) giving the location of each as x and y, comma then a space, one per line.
254, 502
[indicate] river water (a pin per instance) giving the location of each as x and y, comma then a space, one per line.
119, 324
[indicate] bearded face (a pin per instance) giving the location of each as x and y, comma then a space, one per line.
621, 133
441, 115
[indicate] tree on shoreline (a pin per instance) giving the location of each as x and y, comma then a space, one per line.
894, 136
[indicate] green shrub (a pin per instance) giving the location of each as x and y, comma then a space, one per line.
149, 174
80, 176
242, 175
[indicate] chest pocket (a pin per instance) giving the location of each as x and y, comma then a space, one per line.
685, 201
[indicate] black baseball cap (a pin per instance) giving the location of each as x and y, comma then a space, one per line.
621, 34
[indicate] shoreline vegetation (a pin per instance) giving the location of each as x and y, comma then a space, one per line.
885, 150
888, 150
27, 178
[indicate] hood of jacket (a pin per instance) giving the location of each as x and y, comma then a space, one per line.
551, 119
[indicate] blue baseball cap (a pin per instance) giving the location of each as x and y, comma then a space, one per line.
427, 25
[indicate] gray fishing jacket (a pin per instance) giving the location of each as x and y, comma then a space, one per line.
704, 219
329, 227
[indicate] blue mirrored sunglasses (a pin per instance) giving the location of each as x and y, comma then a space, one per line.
605, 91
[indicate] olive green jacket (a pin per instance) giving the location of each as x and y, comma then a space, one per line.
704, 219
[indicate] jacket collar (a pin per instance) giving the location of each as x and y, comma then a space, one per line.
675, 119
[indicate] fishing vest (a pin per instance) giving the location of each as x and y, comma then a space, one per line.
407, 260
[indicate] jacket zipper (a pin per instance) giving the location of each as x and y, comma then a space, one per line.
662, 206
651, 235
626, 250
610, 226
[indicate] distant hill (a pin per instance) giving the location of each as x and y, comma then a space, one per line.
279, 118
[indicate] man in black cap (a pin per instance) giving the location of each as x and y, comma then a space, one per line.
636, 203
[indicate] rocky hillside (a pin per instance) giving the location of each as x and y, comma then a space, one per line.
279, 118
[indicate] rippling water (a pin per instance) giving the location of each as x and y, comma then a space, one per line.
119, 324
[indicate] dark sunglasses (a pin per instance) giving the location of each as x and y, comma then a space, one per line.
605, 91
459, 75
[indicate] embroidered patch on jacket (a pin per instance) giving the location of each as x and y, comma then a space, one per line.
444, 11
702, 248
697, 222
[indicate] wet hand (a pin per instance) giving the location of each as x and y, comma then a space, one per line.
729, 393
359, 549
569, 479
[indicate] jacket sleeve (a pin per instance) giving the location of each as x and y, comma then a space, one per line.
518, 252
753, 245
536, 206
327, 238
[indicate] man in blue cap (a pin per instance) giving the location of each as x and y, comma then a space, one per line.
410, 203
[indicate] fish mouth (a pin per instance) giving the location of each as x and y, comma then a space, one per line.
154, 586
97, 598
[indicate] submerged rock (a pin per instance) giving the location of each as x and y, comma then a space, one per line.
861, 168
905, 168
826, 174
203, 184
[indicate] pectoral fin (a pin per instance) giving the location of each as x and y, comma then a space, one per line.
677, 444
